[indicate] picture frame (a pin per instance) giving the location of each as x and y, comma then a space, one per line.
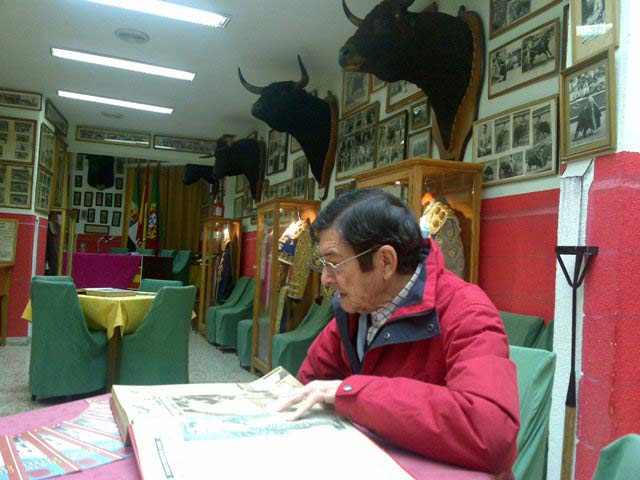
104, 216
60, 178
391, 139
99, 199
375, 84
15, 186
117, 200
402, 93
76, 215
120, 166
8, 241
108, 199
531, 57
237, 206
518, 144
119, 183
504, 15
20, 99
91, 215
284, 189
17, 140
247, 205
277, 152
115, 219
311, 188
43, 191
240, 181
595, 26
88, 199
253, 218
299, 179
357, 142
419, 144
565, 36
46, 153
182, 144
79, 162
355, 91
96, 229
294, 146
78, 181
77, 199
419, 116
344, 188
113, 137
588, 107
51, 113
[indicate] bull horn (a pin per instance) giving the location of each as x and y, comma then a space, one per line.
248, 86
352, 18
405, 3
305, 76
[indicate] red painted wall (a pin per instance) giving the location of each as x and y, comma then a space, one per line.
518, 235
609, 392
248, 260
20, 274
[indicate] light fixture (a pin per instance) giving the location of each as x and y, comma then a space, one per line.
113, 101
123, 64
170, 10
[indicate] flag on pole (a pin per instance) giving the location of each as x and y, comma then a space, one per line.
153, 215
132, 240
144, 207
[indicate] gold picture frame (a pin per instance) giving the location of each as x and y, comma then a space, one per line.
18, 140
594, 30
355, 91
183, 144
113, 137
20, 99
15, 186
402, 93
44, 185
504, 15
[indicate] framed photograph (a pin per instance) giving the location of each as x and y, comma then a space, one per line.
283, 189
118, 183
18, 99
52, 114
91, 215
419, 116
117, 200
240, 183
77, 198
78, 181
237, 206
594, 27
99, 199
115, 219
180, 144
76, 215
59, 173
96, 229
419, 144
46, 154
357, 142
247, 205
88, 199
311, 188
518, 144
43, 190
79, 162
113, 137
299, 179
253, 218
355, 91
565, 36
15, 186
294, 146
120, 166
17, 140
375, 84
402, 93
276, 152
104, 216
392, 134
108, 199
528, 58
588, 107
344, 188
506, 14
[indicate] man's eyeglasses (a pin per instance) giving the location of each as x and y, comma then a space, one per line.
333, 267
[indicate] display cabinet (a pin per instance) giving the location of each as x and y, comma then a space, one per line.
220, 244
66, 223
458, 184
272, 301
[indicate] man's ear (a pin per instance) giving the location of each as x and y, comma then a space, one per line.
388, 258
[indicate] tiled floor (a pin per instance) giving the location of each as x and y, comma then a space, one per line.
207, 364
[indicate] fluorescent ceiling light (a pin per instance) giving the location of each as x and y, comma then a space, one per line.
124, 64
113, 101
169, 10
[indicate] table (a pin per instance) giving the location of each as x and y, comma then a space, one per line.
419, 467
92, 270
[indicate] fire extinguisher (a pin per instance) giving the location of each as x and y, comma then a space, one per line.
218, 209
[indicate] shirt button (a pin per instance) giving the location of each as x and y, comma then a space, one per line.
430, 327
387, 336
347, 388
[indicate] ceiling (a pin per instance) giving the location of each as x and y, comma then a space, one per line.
263, 38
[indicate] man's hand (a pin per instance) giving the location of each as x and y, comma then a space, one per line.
318, 391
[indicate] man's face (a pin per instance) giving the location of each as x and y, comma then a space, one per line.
358, 291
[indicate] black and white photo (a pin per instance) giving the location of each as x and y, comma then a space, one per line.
355, 91
357, 142
392, 134
401, 93
276, 152
419, 116
420, 144
594, 27
506, 14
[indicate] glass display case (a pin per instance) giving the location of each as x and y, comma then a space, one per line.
282, 296
220, 245
65, 222
454, 188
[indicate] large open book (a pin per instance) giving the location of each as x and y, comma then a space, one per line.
190, 431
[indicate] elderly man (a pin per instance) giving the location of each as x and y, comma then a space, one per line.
414, 354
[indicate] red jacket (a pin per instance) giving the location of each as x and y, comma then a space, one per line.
437, 378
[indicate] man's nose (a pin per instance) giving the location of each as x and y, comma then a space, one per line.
326, 277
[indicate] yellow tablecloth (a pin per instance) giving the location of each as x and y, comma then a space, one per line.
107, 313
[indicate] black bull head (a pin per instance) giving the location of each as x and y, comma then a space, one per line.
243, 157
441, 54
287, 107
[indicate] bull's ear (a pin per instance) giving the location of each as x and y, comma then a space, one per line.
405, 3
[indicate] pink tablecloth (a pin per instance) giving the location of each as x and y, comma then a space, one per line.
418, 467
104, 270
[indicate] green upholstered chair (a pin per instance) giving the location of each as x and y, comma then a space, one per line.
120, 250
244, 344
53, 278
527, 331
155, 284
222, 326
222, 320
66, 358
180, 266
146, 251
157, 352
289, 349
535, 369
620, 460
167, 253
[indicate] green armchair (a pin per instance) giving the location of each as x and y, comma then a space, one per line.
119, 250
167, 253
620, 460
155, 284
222, 320
245, 339
180, 267
66, 358
53, 278
157, 353
528, 331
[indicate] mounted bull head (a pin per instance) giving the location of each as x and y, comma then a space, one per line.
287, 107
441, 54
